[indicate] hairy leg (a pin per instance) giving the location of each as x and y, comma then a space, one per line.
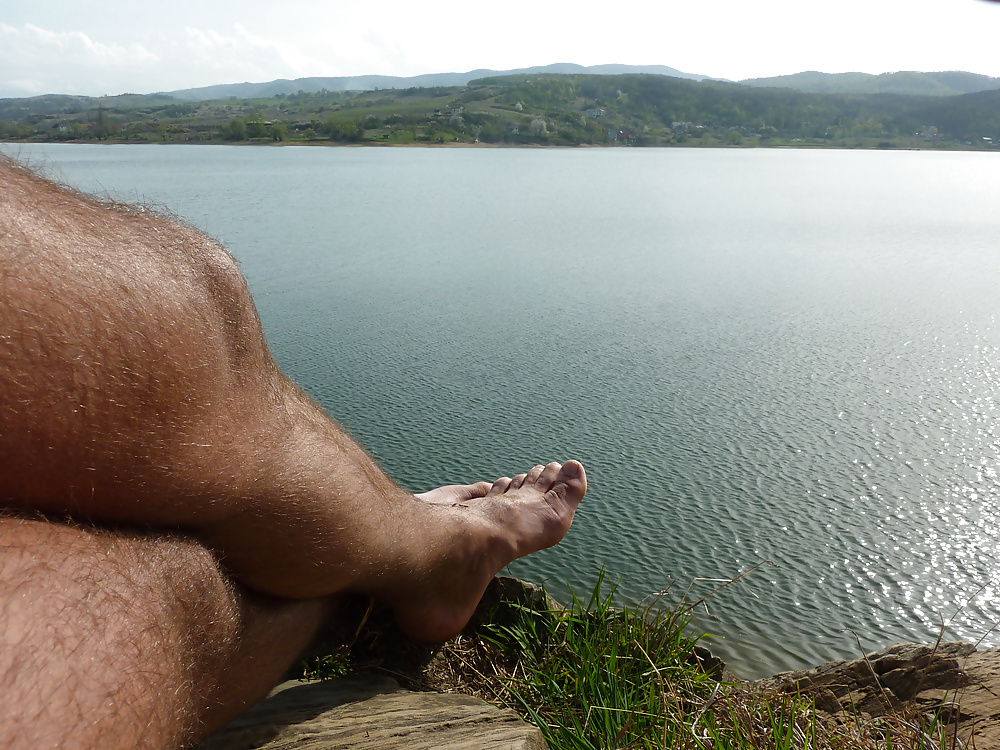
121, 640
136, 387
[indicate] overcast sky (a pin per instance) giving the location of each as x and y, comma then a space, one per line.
93, 48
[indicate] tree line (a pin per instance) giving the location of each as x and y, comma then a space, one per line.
526, 109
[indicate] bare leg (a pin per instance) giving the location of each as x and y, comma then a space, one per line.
136, 387
119, 640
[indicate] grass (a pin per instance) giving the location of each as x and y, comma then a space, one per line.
595, 677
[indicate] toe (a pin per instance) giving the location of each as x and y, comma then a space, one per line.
479, 489
532, 476
455, 493
516, 482
547, 476
500, 486
571, 483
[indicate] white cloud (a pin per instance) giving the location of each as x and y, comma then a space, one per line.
34, 60
245, 56
65, 46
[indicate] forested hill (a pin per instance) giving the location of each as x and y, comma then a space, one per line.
429, 80
947, 83
634, 110
660, 101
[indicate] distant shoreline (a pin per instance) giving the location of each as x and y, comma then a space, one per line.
518, 146
527, 111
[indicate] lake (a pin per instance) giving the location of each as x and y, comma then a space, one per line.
774, 358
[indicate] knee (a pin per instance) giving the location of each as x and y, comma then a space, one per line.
195, 281
92, 266
222, 285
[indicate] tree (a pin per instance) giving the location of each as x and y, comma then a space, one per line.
351, 131
256, 128
235, 131
538, 127
492, 131
102, 125
132, 130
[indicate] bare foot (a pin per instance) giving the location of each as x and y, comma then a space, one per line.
488, 526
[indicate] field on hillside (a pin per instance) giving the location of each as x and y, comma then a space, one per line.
556, 110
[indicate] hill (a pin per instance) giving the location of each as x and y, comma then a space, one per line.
529, 109
910, 83
431, 80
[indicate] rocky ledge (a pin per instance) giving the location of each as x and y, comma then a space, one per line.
953, 680
371, 711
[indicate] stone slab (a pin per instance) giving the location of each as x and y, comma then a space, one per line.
956, 679
372, 712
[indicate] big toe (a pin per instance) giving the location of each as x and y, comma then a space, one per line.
571, 482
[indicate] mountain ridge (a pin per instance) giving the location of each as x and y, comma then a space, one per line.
314, 84
553, 109
912, 83
909, 82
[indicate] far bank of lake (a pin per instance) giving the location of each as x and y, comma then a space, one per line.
526, 110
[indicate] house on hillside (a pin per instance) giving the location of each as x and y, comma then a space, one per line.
628, 135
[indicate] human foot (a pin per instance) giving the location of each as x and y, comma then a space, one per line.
483, 527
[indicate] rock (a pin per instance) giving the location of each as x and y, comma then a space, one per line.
955, 679
712, 665
513, 591
886, 679
372, 711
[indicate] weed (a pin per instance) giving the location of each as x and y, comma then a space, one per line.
595, 677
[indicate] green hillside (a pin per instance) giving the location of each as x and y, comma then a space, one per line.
911, 83
428, 80
556, 110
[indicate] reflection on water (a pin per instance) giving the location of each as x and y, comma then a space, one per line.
759, 356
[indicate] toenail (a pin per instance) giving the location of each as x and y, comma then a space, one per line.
571, 471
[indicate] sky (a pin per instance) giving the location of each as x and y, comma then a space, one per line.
72, 47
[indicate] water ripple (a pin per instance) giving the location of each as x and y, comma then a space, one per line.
795, 362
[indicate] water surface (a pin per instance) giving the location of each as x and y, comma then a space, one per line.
760, 356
